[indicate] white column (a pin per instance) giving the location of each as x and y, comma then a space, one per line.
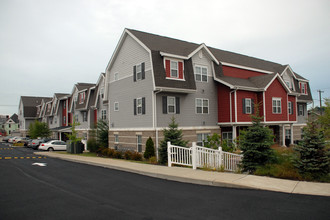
194, 156
234, 132
283, 135
291, 128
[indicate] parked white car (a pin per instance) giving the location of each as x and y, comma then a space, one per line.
12, 140
53, 145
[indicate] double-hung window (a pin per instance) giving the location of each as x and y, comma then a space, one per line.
171, 105
202, 106
227, 136
290, 108
139, 106
303, 88
116, 106
300, 110
247, 106
202, 138
81, 97
174, 69
200, 74
139, 72
277, 106
139, 143
103, 114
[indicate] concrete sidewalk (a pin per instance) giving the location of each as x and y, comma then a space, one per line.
189, 175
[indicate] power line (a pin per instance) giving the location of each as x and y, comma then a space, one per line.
320, 91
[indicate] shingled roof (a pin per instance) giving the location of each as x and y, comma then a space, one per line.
30, 105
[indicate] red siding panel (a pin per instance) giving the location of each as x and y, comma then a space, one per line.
168, 68
241, 117
239, 73
292, 99
180, 70
276, 90
223, 103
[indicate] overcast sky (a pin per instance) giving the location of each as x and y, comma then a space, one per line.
46, 46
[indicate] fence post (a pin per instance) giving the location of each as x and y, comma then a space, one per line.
169, 161
221, 162
194, 155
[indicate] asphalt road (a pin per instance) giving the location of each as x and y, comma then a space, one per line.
56, 189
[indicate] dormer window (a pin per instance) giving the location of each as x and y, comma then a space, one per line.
174, 69
81, 98
303, 88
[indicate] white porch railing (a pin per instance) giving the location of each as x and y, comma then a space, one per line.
202, 157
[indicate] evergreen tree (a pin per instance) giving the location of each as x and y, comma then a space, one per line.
324, 119
174, 135
255, 143
38, 129
103, 133
312, 158
150, 149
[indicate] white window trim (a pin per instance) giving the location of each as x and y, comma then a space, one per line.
177, 61
168, 105
103, 114
227, 132
246, 106
202, 101
204, 138
138, 72
276, 99
137, 106
138, 143
301, 107
116, 138
201, 74
116, 106
116, 76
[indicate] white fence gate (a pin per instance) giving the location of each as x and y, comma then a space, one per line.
202, 157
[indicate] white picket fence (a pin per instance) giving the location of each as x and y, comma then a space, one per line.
197, 156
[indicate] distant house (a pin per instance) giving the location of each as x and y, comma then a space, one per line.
12, 125
30, 109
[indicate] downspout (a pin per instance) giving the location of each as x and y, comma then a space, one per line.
155, 120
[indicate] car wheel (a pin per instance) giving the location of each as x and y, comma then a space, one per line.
50, 149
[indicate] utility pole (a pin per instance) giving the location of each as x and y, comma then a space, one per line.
320, 91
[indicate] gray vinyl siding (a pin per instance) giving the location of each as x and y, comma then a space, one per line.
125, 90
206, 90
188, 116
302, 119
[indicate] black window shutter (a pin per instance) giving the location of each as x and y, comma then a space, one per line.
244, 106
143, 106
177, 105
252, 106
143, 72
134, 106
134, 73
164, 104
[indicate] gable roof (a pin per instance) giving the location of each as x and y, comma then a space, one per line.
30, 105
14, 117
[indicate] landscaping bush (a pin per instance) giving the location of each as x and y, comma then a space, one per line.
128, 155
136, 156
153, 160
110, 152
117, 154
150, 149
92, 145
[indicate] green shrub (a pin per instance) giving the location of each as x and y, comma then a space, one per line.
92, 145
153, 160
117, 154
110, 152
136, 156
104, 152
150, 149
128, 155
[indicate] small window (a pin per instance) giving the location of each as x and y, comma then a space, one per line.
301, 110
76, 118
84, 116
81, 98
116, 106
227, 136
103, 114
290, 108
287, 133
174, 69
171, 105
116, 138
139, 106
248, 106
139, 143
116, 76
138, 72
102, 92
277, 106
202, 106
201, 74
202, 139
64, 105
303, 88
64, 119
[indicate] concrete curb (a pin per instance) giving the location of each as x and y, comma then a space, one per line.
185, 175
